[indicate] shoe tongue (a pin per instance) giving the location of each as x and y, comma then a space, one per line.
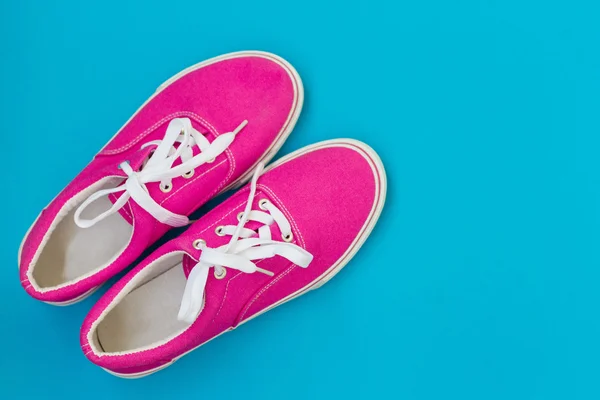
187, 264
135, 162
124, 211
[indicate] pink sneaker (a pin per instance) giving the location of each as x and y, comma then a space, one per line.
202, 132
287, 232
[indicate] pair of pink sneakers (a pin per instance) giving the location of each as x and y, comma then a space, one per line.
208, 129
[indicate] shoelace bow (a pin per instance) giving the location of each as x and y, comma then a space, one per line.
243, 248
159, 168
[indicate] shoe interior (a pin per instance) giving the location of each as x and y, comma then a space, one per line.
147, 314
72, 252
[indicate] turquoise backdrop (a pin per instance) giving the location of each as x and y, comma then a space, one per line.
481, 279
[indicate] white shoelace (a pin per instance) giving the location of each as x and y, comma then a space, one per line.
159, 168
243, 248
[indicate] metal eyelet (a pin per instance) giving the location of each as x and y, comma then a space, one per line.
199, 244
288, 238
239, 216
166, 188
262, 204
188, 174
219, 230
222, 274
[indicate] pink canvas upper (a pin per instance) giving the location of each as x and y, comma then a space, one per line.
217, 97
330, 192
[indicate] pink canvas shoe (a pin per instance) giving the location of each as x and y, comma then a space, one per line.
202, 132
289, 231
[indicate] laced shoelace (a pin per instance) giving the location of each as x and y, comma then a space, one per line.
243, 248
159, 168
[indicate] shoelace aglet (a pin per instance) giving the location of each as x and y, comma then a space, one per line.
240, 127
264, 271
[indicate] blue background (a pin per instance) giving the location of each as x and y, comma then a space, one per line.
481, 278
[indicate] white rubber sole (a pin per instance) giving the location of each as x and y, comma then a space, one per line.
265, 157
365, 232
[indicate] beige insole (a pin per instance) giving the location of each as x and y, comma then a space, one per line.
72, 252
146, 315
